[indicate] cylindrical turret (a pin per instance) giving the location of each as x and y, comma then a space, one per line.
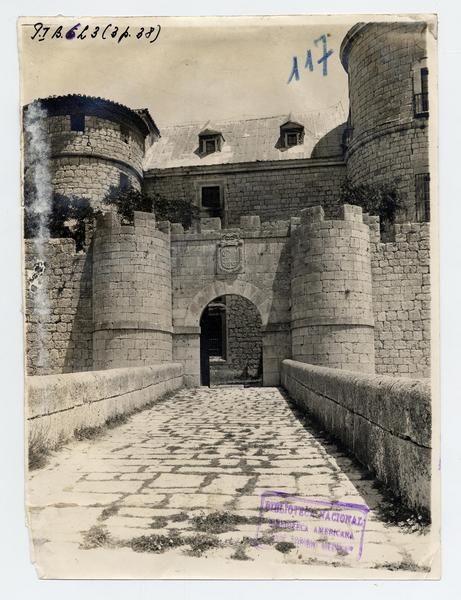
131, 293
331, 310
95, 145
389, 109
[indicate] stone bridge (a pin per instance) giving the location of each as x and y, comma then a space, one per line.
154, 476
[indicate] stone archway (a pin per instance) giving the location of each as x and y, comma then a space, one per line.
223, 288
186, 340
231, 342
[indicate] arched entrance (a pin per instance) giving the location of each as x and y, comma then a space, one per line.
231, 342
276, 339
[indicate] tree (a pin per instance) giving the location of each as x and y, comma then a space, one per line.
67, 217
129, 199
380, 199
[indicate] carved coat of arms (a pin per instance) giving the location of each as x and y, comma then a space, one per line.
229, 254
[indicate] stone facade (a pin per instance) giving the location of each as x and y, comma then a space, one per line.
317, 282
95, 145
263, 279
388, 135
58, 309
331, 289
402, 301
272, 191
244, 349
132, 293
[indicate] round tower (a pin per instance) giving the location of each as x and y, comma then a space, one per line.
387, 134
95, 145
331, 294
132, 320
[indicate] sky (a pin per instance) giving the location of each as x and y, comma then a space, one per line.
198, 69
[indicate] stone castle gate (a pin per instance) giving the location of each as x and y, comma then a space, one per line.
260, 273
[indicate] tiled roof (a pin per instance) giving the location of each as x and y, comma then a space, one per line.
249, 140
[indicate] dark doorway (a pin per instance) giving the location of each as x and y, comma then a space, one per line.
230, 342
212, 337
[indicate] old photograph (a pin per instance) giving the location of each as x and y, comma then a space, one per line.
230, 246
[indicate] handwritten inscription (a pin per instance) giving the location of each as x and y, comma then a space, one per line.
321, 44
83, 32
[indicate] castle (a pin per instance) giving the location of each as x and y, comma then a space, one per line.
276, 267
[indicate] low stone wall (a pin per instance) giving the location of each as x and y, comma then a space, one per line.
384, 421
57, 405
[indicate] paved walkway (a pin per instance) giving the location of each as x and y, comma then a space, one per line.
193, 468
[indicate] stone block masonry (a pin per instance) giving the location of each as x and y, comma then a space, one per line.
58, 405
89, 163
243, 340
355, 302
59, 330
263, 280
272, 191
132, 293
385, 422
95, 145
331, 291
389, 138
85, 177
402, 300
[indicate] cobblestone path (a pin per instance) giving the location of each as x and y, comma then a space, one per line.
199, 453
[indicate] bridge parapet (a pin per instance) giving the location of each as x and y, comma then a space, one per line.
385, 422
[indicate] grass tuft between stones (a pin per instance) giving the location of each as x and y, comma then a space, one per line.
222, 522
158, 543
284, 547
96, 537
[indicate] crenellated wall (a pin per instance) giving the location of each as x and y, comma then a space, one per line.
327, 292
131, 293
331, 291
402, 299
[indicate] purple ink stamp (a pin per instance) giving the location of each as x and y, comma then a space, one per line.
320, 527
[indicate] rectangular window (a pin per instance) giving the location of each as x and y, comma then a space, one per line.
423, 209
211, 201
210, 146
422, 98
77, 122
291, 139
124, 181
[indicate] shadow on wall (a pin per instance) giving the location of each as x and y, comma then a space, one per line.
79, 353
331, 144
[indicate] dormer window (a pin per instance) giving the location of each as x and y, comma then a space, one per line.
291, 134
292, 138
210, 141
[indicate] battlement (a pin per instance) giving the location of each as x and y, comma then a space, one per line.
315, 215
250, 226
111, 229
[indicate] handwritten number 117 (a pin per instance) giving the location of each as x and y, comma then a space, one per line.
309, 63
